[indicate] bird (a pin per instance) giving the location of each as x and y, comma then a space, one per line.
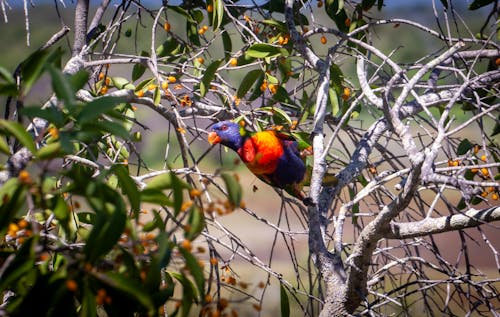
273, 156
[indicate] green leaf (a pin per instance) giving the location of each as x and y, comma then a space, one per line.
155, 196
88, 303
32, 68
19, 132
477, 4
6, 76
13, 196
227, 44
79, 79
208, 76
49, 151
156, 96
196, 223
233, 187
262, 50
248, 81
129, 287
170, 47
285, 304
334, 101
97, 107
335, 10
217, 14
196, 271
144, 83
162, 181
278, 114
464, 147
51, 114
20, 265
139, 69
188, 292
192, 33
4, 147
119, 82
128, 186
110, 220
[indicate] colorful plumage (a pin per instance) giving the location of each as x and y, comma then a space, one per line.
272, 156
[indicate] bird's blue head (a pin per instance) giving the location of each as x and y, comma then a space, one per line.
226, 133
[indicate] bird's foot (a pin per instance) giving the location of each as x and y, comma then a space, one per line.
307, 201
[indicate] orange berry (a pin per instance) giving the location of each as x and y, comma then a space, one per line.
490, 189
305, 29
71, 285
497, 61
261, 284
172, 79
194, 193
104, 90
205, 27
167, 26
200, 249
101, 76
323, 40
484, 194
210, 8
474, 170
140, 93
263, 87
201, 31
186, 205
320, 3
257, 307
476, 149
54, 132
23, 224
223, 303
201, 60
208, 298
347, 22
346, 93
24, 177
456, 162
213, 261
233, 61
186, 244
164, 85
485, 172
494, 196
152, 87
484, 158
273, 88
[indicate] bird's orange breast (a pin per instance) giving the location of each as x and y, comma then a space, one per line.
261, 152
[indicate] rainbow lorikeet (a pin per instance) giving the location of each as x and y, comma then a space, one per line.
272, 156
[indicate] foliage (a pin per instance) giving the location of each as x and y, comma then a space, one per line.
88, 228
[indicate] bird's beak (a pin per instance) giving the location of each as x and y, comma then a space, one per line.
213, 138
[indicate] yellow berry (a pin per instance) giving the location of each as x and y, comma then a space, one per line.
140, 93
484, 158
210, 8
233, 62
164, 85
172, 79
346, 93
494, 196
485, 172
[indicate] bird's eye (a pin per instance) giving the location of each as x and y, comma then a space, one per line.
223, 128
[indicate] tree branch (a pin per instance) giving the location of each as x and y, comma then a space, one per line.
471, 218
